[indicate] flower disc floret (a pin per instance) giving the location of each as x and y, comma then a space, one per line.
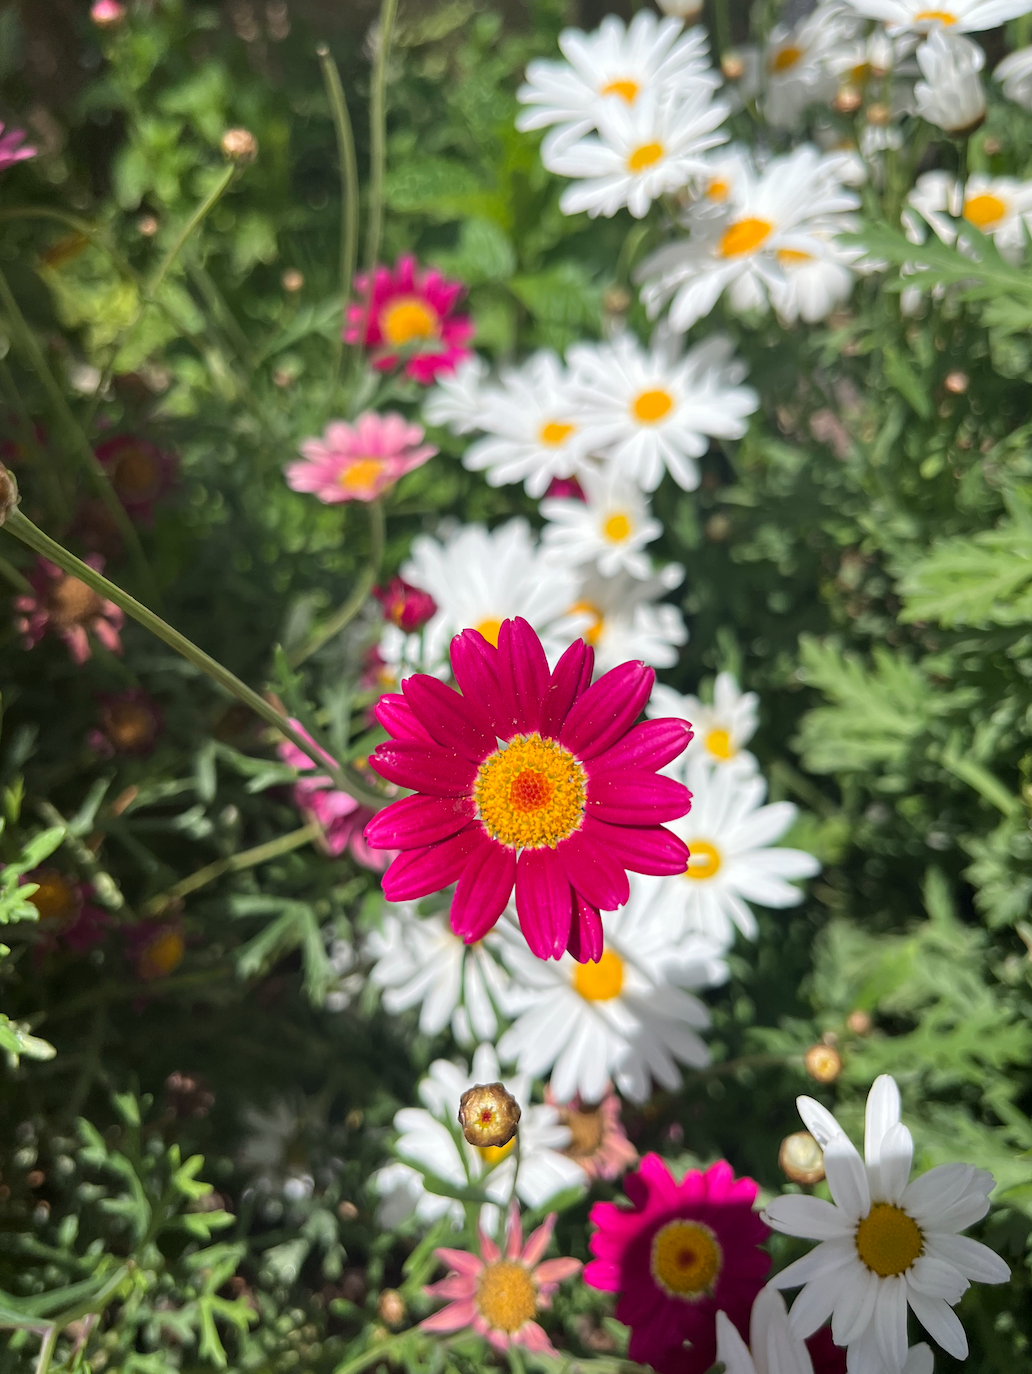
686, 1259
506, 1295
531, 793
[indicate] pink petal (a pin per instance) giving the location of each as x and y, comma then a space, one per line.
633, 797
522, 660
395, 715
488, 1249
483, 890
593, 871
455, 722
533, 1338
460, 1260
419, 820
424, 768
513, 1231
650, 744
475, 665
537, 1241
642, 849
585, 943
418, 872
543, 902
607, 710
451, 1318
556, 1270
571, 678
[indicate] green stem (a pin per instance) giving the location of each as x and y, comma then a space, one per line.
79, 226
348, 197
246, 858
22, 528
216, 303
46, 1350
106, 889
351, 607
368, 1357
199, 215
378, 131
516, 1360
11, 573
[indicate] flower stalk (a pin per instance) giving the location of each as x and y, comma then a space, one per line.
351, 607
246, 858
348, 196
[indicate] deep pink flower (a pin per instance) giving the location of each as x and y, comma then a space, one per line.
67, 915
409, 310
407, 607
561, 808
15, 451
565, 489
683, 1252
130, 723
598, 1141
107, 13
499, 1296
10, 151
139, 471
357, 463
156, 947
67, 607
339, 815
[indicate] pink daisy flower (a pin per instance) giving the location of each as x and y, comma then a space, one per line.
10, 151
357, 463
140, 473
68, 608
409, 310
531, 779
67, 914
598, 1141
683, 1252
499, 1296
339, 815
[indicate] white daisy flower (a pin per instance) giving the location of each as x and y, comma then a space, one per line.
613, 65
455, 400
951, 94
626, 1018
813, 285
649, 410
621, 619
775, 1349
430, 1139
275, 1150
722, 728
420, 961
609, 528
998, 206
923, 16
348, 981
1015, 75
734, 859
532, 434
792, 207
642, 151
722, 181
797, 70
885, 1243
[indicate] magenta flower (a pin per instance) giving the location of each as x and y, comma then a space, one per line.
532, 779
339, 815
598, 1141
497, 1296
67, 914
68, 608
683, 1252
407, 607
10, 151
357, 463
411, 311
139, 471
107, 13
565, 489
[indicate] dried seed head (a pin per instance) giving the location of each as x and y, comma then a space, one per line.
879, 115
148, 226
616, 300
859, 1022
391, 1307
801, 1159
488, 1115
8, 493
823, 1063
240, 146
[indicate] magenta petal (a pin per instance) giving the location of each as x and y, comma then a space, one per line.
483, 891
416, 821
642, 849
607, 709
650, 744
543, 902
585, 932
571, 678
522, 660
453, 721
395, 715
475, 665
418, 872
632, 797
424, 768
593, 871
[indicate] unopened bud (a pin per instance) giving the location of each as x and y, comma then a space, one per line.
859, 1022
879, 114
239, 145
292, 280
105, 14
616, 300
488, 1115
391, 1307
848, 100
681, 9
957, 382
823, 1063
801, 1159
147, 225
8, 494
733, 67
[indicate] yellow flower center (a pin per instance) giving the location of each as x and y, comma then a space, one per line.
617, 528
645, 156
494, 1154
785, 59
162, 956
792, 257
686, 1259
626, 89
506, 1295
984, 210
490, 629
555, 433
718, 743
744, 236
70, 602
407, 318
703, 860
594, 631
602, 981
530, 794
888, 1240
934, 17
361, 475
55, 898
651, 406
135, 472
718, 189
128, 725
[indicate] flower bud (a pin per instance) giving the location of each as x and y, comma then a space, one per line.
405, 606
848, 100
148, 226
801, 1159
859, 1022
8, 493
823, 1063
106, 14
488, 1115
390, 1307
292, 280
732, 66
879, 115
616, 300
957, 382
688, 10
240, 146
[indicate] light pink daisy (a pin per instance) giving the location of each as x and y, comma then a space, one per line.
139, 471
358, 462
13, 148
531, 779
409, 312
499, 1296
341, 818
598, 1141
68, 608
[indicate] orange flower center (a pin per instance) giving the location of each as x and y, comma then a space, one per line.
626, 89
601, 981
361, 474
135, 472
718, 743
647, 155
490, 629
162, 955
128, 725
649, 407
686, 1259
718, 189
935, 17
71, 602
407, 318
984, 210
792, 257
744, 236
888, 1240
785, 59
506, 1295
617, 528
594, 631
555, 433
56, 897
703, 860
530, 794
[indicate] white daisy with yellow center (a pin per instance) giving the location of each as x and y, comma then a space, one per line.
951, 95
998, 206
455, 399
430, 1142
609, 528
925, 16
622, 618
797, 205
627, 1018
795, 68
723, 726
1015, 75
886, 1243
650, 411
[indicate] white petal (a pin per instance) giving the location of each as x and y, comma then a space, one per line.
816, 1302
940, 1188
974, 1260
732, 1351
775, 1349
818, 1121
882, 1112
941, 1323
920, 1360
847, 1178
890, 1321
827, 1259
936, 1278
809, 1217
897, 1155
855, 1307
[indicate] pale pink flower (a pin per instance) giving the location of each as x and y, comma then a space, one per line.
598, 1141
358, 462
13, 148
107, 13
499, 1296
68, 608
